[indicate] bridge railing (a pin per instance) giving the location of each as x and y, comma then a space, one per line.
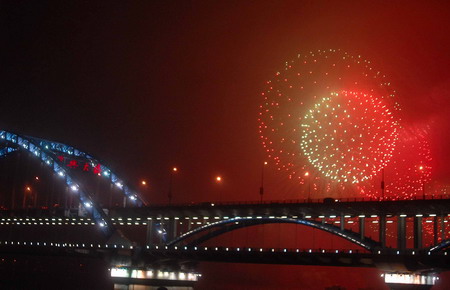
306, 201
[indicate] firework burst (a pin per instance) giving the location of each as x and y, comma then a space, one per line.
303, 84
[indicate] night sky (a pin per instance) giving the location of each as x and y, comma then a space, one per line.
148, 85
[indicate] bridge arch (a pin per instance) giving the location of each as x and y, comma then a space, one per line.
14, 142
60, 148
231, 224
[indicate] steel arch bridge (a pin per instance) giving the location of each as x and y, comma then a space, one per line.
48, 151
223, 226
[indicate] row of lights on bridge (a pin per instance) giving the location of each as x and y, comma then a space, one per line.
196, 248
138, 219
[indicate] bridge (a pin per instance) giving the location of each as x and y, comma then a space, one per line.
406, 236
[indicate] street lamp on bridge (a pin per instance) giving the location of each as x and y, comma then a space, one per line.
261, 189
422, 170
28, 191
309, 185
172, 172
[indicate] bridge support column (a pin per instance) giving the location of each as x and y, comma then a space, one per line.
418, 232
362, 227
442, 228
382, 231
435, 230
401, 233
171, 230
342, 222
175, 228
149, 235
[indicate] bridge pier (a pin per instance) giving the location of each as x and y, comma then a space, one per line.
175, 228
382, 231
435, 230
342, 222
171, 229
442, 228
418, 232
401, 233
362, 227
149, 234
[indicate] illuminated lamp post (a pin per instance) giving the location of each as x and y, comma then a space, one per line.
27, 191
218, 179
422, 169
172, 172
261, 189
144, 186
309, 185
